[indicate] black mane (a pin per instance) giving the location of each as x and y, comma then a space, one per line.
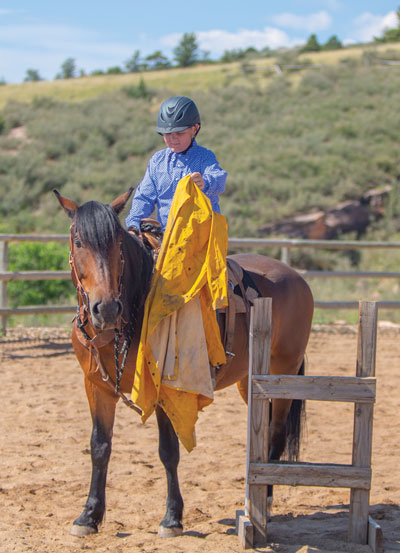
98, 226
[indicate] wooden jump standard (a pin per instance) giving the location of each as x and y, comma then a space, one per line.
251, 524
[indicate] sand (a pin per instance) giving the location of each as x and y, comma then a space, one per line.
45, 460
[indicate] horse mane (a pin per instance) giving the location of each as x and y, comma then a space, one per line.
98, 226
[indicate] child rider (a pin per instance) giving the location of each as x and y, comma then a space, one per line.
178, 122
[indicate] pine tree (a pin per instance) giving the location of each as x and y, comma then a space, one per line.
186, 53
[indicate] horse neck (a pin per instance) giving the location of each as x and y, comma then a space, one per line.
138, 268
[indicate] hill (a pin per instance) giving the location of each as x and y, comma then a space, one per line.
292, 143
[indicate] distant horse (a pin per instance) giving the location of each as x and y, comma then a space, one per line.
112, 270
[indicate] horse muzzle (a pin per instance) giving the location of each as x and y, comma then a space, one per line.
106, 314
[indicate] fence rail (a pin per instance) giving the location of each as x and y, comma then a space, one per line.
285, 245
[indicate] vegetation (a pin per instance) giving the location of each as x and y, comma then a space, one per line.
186, 53
32, 75
391, 35
38, 256
291, 143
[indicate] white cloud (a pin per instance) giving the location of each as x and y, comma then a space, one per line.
45, 47
217, 41
55, 38
368, 25
4, 11
333, 4
311, 23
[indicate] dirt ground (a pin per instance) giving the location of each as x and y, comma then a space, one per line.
45, 461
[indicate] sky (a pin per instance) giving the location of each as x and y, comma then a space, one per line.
41, 35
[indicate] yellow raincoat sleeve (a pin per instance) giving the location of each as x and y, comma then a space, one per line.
192, 262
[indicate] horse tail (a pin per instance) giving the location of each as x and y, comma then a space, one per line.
294, 424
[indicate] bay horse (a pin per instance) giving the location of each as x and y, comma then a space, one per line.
112, 269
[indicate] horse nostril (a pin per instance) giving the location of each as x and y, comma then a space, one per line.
106, 311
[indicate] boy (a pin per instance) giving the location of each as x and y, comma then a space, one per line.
178, 122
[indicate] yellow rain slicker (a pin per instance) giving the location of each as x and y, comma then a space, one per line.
191, 266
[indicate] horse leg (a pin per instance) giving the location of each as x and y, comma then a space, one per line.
171, 524
102, 409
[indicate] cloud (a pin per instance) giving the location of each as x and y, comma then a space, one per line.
368, 25
4, 11
45, 47
55, 38
217, 41
311, 23
333, 4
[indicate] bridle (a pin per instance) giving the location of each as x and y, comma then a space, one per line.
102, 338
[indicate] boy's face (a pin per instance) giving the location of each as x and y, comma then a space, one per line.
180, 141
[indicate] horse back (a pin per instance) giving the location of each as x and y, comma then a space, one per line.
292, 308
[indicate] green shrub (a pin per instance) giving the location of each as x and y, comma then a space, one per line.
138, 91
38, 256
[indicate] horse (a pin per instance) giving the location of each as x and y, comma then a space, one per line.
112, 270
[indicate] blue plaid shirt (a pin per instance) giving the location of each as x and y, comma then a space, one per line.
164, 170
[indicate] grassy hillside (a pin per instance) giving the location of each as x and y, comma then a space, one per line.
183, 81
301, 141
296, 144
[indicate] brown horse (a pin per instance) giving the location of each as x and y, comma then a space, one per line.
112, 269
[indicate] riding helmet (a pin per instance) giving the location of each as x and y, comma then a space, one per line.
177, 114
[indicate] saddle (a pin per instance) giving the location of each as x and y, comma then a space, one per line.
242, 292
152, 234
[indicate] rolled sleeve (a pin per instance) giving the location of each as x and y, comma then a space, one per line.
214, 176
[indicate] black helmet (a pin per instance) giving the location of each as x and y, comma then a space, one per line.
177, 114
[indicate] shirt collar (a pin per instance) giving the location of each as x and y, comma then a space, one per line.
191, 148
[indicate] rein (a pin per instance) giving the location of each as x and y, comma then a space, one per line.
103, 338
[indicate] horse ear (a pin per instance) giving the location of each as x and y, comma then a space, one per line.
119, 203
68, 206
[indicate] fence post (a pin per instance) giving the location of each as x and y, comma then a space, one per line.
285, 255
3, 283
258, 414
363, 419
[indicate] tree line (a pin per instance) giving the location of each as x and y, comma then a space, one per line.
187, 53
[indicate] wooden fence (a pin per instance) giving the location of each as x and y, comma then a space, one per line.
285, 245
360, 390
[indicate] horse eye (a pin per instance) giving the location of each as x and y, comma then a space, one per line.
77, 243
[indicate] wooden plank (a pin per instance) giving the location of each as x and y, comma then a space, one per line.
34, 275
244, 530
310, 474
375, 536
34, 237
348, 274
258, 415
36, 309
353, 304
297, 243
322, 388
363, 419
235, 242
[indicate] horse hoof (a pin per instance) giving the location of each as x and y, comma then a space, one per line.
78, 530
165, 532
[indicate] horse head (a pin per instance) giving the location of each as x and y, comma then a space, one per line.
96, 257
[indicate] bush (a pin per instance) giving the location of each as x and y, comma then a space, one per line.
42, 257
138, 91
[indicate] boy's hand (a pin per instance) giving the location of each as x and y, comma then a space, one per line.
198, 179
